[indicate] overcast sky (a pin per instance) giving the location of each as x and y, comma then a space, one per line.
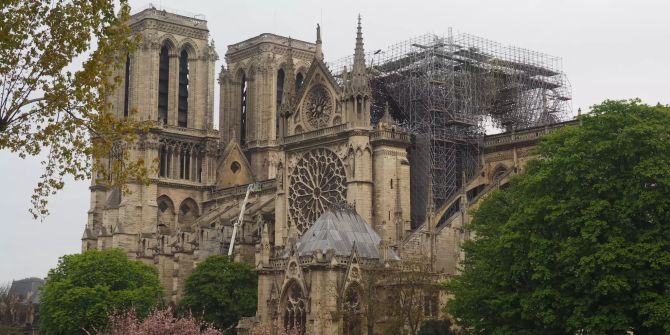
610, 49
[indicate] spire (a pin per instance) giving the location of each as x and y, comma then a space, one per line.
359, 52
319, 52
387, 119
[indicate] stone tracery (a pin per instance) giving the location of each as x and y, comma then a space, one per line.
295, 308
318, 107
317, 183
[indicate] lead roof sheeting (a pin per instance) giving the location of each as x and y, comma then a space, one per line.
340, 230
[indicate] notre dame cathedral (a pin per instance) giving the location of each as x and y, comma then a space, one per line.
331, 171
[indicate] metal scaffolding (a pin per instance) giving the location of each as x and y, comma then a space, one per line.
449, 91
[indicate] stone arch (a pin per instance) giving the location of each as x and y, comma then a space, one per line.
113, 198
293, 306
498, 172
188, 213
165, 214
300, 77
190, 47
241, 72
170, 42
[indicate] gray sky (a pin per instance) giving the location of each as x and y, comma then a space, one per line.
610, 49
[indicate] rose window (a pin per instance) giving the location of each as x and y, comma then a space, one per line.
318, 106
316, 183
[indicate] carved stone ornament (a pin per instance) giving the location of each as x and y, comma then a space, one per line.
318, 182
318, 107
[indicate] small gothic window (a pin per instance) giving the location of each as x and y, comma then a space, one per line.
359, 105
243, 109
295, 311
352, 311
280, 87
391, 183
182, 117
298, 81
163, 84
163, 162
126, 90
185, 164
280, 94
235, 167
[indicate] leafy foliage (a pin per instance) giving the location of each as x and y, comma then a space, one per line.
46, 107
580, 244
81, 291
222, 290
158, 322
11, 310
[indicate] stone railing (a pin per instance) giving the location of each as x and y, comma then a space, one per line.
187, 131
389, 135
315, 134
524, 135
241, 190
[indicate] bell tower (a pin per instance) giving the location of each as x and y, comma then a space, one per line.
169, 82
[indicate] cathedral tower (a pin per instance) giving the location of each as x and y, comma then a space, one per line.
169, 82
258, 72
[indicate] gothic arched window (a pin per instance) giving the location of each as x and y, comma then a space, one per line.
164, 161
298, 81
352, 308
188, 213
163, 83
280, 94
185, 163
243, 108
359, 106
295, 308
182, 116
165, 213
126, 89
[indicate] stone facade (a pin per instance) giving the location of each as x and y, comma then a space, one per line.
306, 144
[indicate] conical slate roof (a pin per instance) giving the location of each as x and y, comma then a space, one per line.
341, 230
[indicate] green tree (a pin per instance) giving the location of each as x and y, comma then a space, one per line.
222, 290
81, 292
580, 244
46, 108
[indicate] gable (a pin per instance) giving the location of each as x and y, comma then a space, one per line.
318, 79
317, 69
233, 168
